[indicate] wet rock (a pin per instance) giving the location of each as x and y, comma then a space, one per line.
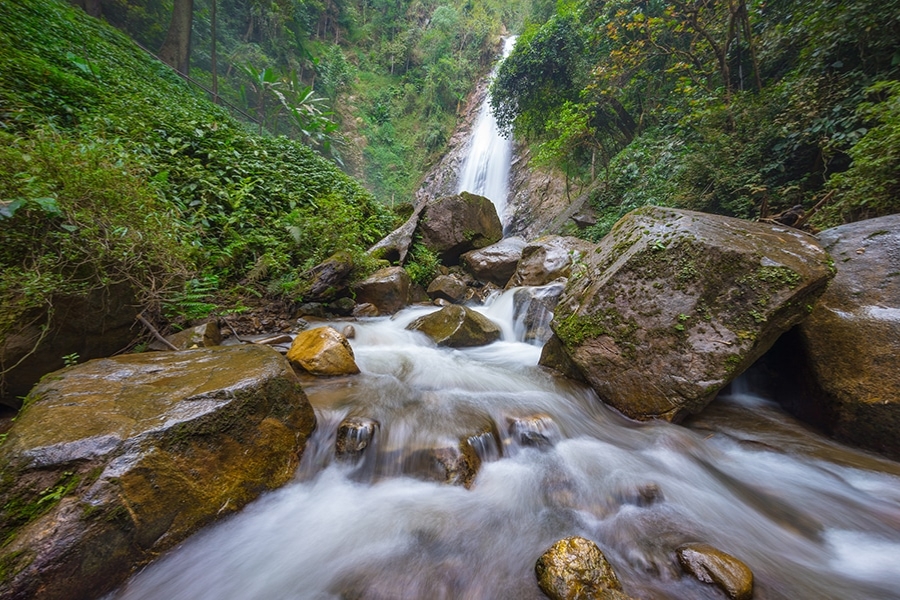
534, 306
418, 295
395, 246
495, 263
548, 258
387, 289
852, 337
674, 304
101, 324
441, 302
453, 464
354, 435
534, 431
711, 565
201, 336
575, 568
342, 306
323, 351
365, 310
453, 225
349, 332
457, 326
555, 356
312, 309
139, 451
329, 278
448, 287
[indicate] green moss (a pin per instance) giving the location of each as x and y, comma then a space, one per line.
13, 563
24, 507
574, 329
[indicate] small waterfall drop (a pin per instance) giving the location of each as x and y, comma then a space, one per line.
486, 168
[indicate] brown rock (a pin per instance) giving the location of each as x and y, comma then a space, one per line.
457, 326
495, 263
354, 435
447, 287
323, 351
453, 225
548, 258
674, 304
574, 569
711, 565
387, 289
201, 336
852, 337
329, 278
365, 310
139, 452
533, 307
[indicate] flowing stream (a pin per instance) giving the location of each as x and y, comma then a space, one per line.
486, 169
811, 518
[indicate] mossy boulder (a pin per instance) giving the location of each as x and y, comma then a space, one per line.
711, 565
674, 304
330, 277
575, 568
386, 289
852, 338
457, 326
453, 225
113, 461
323, 351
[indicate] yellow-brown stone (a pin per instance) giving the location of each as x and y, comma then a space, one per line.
323, 351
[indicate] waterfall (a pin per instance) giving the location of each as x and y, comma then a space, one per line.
811, 518
486, 168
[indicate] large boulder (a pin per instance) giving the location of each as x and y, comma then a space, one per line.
323, 351
495, 263
457, 326
575, 568
100, 324
449, 287
548, 258
852, 338
113, 461
453, 225
387, 289
674, 304
329, 278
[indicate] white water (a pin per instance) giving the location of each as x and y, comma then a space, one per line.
812, 519
486, 169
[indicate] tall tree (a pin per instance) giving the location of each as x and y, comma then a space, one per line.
176, 50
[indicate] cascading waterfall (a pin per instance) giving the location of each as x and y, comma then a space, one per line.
811, 518
486, 168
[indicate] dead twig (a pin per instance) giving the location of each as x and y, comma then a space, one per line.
155, 333
814, 209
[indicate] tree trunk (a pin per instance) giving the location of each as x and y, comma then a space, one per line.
176, 50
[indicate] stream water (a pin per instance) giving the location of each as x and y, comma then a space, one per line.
811, 518
486, 169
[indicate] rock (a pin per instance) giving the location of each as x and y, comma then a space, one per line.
418, 295
495, 263
535, 431
349, 332
852, 337
456, 463
711, 565
674, 304
533, 307
201, 336
387, 289
555, 356
343, 306
116, 460
457, 326
323, 351
99, 325
312, 309
395, 246
365, 310
574, 568
329, 278
354, 435
447, 287
453, 225
548, 258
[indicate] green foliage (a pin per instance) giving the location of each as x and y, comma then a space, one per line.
422, 264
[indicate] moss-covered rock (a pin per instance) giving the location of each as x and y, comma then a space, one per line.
453, 225
852, 337
113, 461
323, 351
574, 568
711, 565
457, 326
674, 304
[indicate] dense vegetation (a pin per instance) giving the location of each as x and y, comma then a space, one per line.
112, 169
737, 107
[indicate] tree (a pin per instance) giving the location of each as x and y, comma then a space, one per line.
176, 50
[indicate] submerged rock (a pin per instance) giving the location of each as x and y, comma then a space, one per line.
548, 258
387, 289
495, 263
852, 338
534, 306
574, 568
711, 565
118, 459
453, 225
354, 435
457, 326
535, 431
323, 351
674, 304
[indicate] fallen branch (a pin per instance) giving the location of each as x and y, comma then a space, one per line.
155, 333
236, 336
814, 209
